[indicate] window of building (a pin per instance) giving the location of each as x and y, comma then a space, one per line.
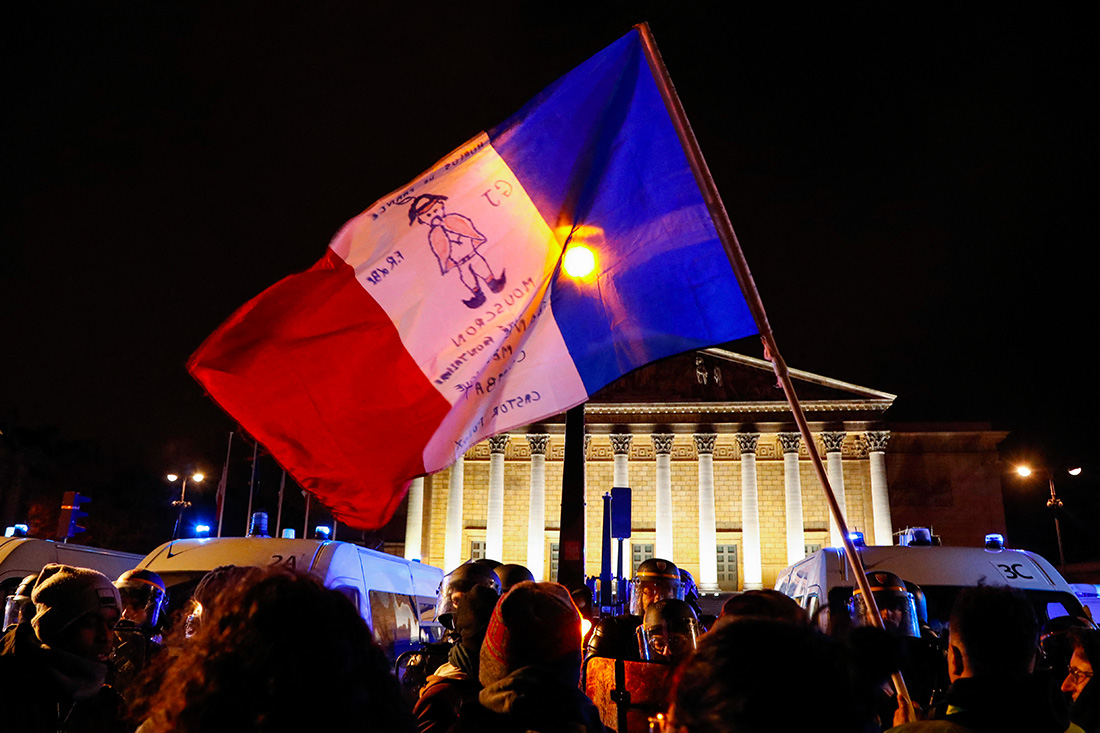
477, 550
640, 553
554, 553
727, 567
812, 548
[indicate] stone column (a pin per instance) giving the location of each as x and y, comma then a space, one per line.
708, 536
414, 521
620, 449
880, 498
792, 494
834, 467
588, 544
452, 542
536, 512
662, 444
750, 513
494, 513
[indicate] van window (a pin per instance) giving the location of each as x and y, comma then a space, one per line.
812, 604
394, 622
352, 594
1056, 609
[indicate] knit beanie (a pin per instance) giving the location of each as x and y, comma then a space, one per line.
64, 593
534, 624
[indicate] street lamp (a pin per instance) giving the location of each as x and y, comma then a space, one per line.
182, 502
1053, 502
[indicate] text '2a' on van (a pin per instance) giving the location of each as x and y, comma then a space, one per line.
396, 597
934, 574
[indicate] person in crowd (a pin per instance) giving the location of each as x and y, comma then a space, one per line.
137, 634
456, 683
510, 574
615, 636
669, 632
279, 652
210, 589
530, 667
18, 607
457, 583
753, 674
690, 591
917, 657
992, 643
1056, 644
765, 604
53, 668
1080, 682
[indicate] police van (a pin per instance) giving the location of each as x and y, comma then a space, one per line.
23, 556
939, 572
396, 597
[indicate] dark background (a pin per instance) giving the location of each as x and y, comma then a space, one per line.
913, 187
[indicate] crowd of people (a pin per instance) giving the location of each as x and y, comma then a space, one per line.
271, 650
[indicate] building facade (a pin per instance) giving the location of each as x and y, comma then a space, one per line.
721, 481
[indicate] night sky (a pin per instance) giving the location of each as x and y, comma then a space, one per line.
914, 191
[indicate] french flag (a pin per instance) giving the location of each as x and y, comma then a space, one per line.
443, 315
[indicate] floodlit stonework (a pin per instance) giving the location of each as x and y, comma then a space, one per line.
700, 445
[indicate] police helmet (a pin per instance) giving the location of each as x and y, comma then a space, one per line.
654, 580
669, 632
1055, 644
459, 581
143, 591
895, 602
18, 607
511, 574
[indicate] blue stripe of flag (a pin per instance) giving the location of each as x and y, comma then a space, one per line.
597, 149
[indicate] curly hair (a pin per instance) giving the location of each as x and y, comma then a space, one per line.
279, 653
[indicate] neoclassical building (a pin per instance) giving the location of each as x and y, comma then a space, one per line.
721, 481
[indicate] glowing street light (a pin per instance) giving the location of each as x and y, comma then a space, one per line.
579, 261
1054, 503
182, 502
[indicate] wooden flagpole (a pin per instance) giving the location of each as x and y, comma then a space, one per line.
740, 265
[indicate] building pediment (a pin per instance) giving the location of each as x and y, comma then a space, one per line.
729, 391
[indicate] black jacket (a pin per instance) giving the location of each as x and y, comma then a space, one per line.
32, 699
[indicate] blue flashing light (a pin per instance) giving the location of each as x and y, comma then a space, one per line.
202, 530
17, 530
322, 532
994, 541
289, 534
857, 539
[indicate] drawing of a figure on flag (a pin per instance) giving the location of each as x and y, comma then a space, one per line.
454, 241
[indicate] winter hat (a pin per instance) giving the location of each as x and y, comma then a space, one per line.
534, 624
64, 593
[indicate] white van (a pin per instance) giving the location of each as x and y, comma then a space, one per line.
23, 556
941, 572
396, 597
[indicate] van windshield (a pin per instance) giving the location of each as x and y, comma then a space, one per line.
1048, 604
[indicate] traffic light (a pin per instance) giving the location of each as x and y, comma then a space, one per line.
71, 514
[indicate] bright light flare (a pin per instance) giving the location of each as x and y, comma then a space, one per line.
198, 477
586, 626
171, 477
1075, 471
579, 261
1023, 471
